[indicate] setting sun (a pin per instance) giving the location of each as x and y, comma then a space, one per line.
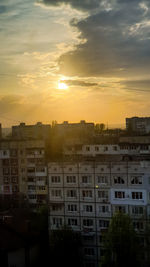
62, 85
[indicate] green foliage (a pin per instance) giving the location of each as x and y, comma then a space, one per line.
99, 127
39, 220
121, 243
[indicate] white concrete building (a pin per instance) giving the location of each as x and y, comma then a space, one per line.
85, 195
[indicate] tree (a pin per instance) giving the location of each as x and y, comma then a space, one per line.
99, 128
65, 247
121, 243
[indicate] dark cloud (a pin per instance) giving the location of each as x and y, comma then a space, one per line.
117, 39
137, 85
114, 45
77, 4
78, 83
2, 9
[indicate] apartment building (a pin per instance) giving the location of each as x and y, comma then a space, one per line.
76, 128
85, 193
23, 170
140, 125
37, 131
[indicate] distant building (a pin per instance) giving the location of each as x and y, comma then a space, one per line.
23, 170
75, 128
37, 131
140, 125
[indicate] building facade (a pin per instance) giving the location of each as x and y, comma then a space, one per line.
140, 125
85, 194
37, 131
74, 128
23, 170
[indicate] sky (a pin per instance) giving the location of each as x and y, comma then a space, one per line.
74, 60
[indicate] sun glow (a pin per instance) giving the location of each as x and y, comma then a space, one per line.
62, 85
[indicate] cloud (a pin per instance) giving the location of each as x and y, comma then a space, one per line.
137, 85
84, 5
78, 83
110, 48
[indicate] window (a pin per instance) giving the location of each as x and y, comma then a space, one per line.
31, 179
4, 152
87, 148
88, 208
103, 224
72, 207
136, 210
21, 152
14, 179
40, 169
87, 193
138, 225
137, 195
102, 179
96, 148
13, 152
6, 180
56, 193
55, 179
31, 170
89, 251
14, 161
56, 207
71, 179
72, 193
57, 222
87, 222
41, 187
119, 194
86, 179
144, 147
118, 180
103, 209
6, 171
72, 221
103, 194
115, 148
14, 170
105, 148
136, 180
5, 162
31, 187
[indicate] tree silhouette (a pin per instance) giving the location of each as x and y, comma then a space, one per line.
121, 244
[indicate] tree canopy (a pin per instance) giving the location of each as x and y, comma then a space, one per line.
121, 243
